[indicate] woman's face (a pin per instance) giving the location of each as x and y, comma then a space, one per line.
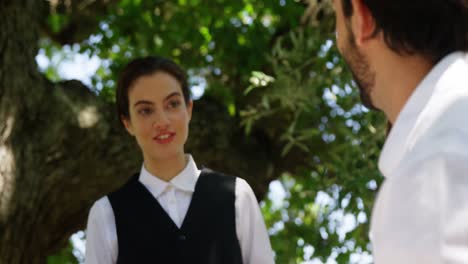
159, 116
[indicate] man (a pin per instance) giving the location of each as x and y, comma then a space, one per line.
410, 60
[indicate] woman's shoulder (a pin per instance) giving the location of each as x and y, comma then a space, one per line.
101, 208
124, 190
212, 175
228, 181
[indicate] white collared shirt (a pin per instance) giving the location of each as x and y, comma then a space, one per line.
421, 213
175, 197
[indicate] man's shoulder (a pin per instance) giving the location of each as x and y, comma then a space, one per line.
444, 118
445, 137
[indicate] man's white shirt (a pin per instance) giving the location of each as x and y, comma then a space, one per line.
175, 197
421, 213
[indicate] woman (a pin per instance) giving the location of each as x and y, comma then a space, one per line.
171, 212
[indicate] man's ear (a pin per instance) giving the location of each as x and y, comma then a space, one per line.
362, 22
128, 124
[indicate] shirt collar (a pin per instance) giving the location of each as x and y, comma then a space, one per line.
396, 143
184, 181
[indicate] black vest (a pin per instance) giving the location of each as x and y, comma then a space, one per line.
146, 233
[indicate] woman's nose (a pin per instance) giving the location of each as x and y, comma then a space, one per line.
160, 121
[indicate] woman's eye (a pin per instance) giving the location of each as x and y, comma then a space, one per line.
145, 111
174, 104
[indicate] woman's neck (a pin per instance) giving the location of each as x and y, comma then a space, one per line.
166, 169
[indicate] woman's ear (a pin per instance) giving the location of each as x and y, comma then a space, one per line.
128, 124
189, 109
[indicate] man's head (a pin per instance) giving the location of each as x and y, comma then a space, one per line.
428, 28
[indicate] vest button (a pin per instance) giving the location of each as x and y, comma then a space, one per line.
182, 237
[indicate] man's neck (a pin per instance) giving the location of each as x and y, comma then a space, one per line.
396, 79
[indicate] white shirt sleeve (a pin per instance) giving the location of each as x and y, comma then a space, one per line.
250, 227
101, 236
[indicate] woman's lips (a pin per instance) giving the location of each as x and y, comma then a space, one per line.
164, 138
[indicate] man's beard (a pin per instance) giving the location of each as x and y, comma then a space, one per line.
359, 66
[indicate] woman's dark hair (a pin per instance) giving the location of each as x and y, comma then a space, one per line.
432, 28
143, 67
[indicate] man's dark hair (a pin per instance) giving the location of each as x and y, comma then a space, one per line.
432, 28
143, 67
